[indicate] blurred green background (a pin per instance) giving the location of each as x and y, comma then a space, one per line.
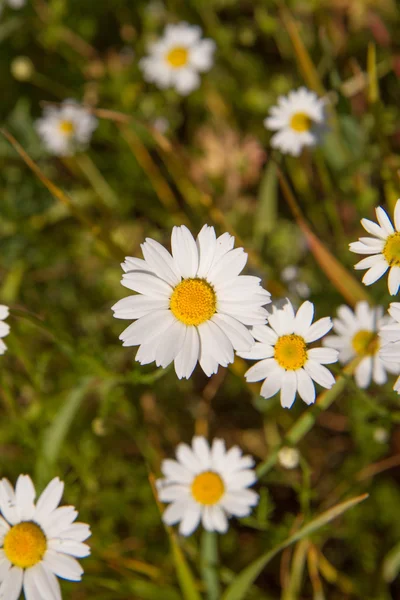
73, 402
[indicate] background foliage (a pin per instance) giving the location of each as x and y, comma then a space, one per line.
73, 403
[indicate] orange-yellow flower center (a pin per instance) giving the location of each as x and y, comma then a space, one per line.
391, 250
178, 57
208, 488
25, 544
365, 343
193, 301
300, 122
67, 127
291, 352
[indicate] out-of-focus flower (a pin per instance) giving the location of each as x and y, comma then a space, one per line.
16, 4
384, 248
178, 57
207, 484
161, 124
358, 335
193, 306
299, 120
4, 327
381, 435
38, 543
288, 458
66, 129
286, 362
390, 336
22, 68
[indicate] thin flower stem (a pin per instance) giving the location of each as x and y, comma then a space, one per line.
209, 564
308, 419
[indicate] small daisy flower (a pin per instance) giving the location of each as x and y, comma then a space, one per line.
299, 120
384, 248
38, 543
192, 306
390, 337
16, 4
178, 57
287, 364
66, 129
207, 484
4, 327
358, 335
289, 458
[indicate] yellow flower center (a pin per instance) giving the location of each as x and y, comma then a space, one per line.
193, 301
178, 57
365, 343
208, 488
25, 544
300, 122
391, 250
67, 127
291, 352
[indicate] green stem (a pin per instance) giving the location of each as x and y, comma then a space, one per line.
96, 180
209, 564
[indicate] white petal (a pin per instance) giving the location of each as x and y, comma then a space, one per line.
201, 449
174, 512
289, 388
384, 220
134, 307
319, 373
191, 519
50, 498
11, 587
318, 329
304, 317
215, 343
258, 351
63, 566
374, 229
69, 547
8, 505
160, 261
25, 495
378, 371
218, 517
305, 386
147, 328
272, 384
394, 280
170, 343
374, 273
206, 243
261, 370
186, 456
186, 360
147, 284
237, 333
184, 251
396, 216
325, 356
228, 267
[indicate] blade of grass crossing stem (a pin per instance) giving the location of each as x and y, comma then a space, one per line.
241, 585
347, 285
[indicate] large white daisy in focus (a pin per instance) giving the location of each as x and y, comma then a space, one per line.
66, 129
208, 485
4, 327
178, 57
384, 248
192, 306
299, 120
358, 335
286, 363
38, 543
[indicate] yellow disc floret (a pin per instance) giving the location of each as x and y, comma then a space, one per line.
178, 57
365, 343
300, 122
208, 488
67, 127
25, 544
391, 250
193, 301
291, 352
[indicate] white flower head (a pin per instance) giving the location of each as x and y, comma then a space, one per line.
38, 543
390, 338
287, 364
207, 484
358, 335
178, 57
66, 129
299, 120
192, 306
16, 4
384, 248
289, 458
4, 327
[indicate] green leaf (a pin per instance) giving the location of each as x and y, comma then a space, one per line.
240, 586
267, 205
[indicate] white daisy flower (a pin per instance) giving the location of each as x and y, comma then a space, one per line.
358, 335
384, 248
287, 364
4, 327
390, 338
178, 57
67, 128
191, 306
299, 120
289, 458
38, 543
207, 484
12, 4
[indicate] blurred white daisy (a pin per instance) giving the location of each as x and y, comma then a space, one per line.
178, 57
66, 129
12, 4
390, 338
191, 306
207, 484
287, 364
289, 458
358, 335
4, 327
38, 543
384, 248
299, 120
